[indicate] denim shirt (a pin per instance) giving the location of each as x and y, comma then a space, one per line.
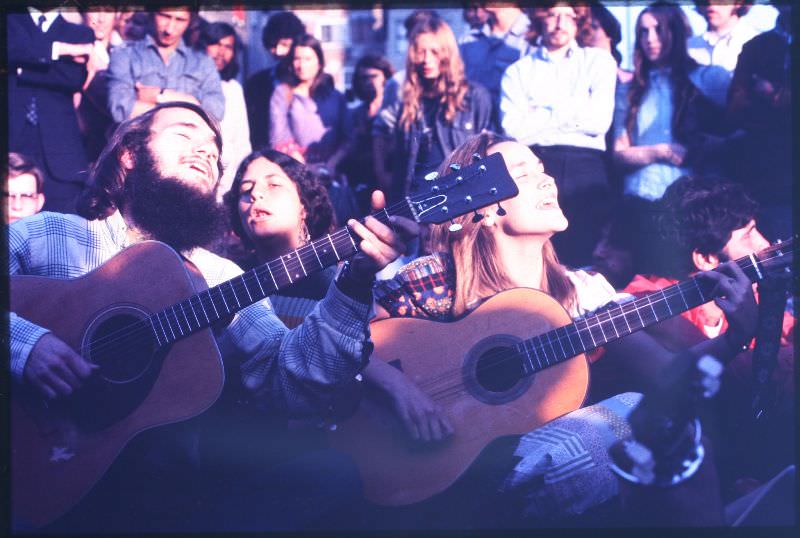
187, 71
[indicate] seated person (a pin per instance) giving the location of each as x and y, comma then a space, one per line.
512, 249
710, 221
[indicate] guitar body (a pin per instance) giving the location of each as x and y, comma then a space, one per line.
61, 448
453, 363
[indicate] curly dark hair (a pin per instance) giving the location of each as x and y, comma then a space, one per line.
701, 213
214, 32
320, 218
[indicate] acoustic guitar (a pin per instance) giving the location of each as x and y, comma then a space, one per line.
141, 319
492, 378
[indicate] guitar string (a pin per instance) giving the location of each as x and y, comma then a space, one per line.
502, 356
145, 325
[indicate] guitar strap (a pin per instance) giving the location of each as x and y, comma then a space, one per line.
772, 297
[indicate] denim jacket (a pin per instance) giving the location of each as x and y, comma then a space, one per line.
404, 145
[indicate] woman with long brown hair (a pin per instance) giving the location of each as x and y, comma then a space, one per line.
661, 116
437, 111
511, 248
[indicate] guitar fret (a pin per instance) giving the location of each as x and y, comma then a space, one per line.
535, 354
589, 328
313, 248
153, 325
611, 319
258, 281
389, 220
299, 259
169, 325
699, 291
569, 339
166, 338
580, 338
194, 312
641, 320
625, 317
177, 321
244, 283
338, 258
188, 323
287, 271
543, 347
602, 331
350, 237
530, 368
227, 308
680, 292
272, 277
563, 351
211, 300
235, 298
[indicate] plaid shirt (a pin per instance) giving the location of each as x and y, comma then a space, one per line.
289, 371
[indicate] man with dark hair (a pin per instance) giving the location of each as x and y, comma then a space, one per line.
162, 68
709, 221
277, 37
156, 180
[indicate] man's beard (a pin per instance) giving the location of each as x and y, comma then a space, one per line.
168, 210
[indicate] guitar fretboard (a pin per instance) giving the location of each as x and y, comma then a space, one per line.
588, 333
205, 308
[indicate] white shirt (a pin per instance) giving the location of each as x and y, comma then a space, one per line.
235, 133
569, 101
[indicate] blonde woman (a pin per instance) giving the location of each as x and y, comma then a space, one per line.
438, 110
511, 249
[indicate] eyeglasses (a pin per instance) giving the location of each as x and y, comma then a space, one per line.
22, 197
565, 17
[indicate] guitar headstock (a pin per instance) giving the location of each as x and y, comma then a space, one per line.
776, 260
463, 190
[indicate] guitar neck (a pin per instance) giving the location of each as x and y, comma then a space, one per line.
589, 333
217, 303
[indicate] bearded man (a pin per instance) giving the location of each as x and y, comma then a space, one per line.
156, 179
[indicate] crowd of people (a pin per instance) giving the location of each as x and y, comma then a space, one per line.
134, 126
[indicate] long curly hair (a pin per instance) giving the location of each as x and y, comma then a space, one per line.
105, 191
673, 30
320, 218
451, 86
474, 251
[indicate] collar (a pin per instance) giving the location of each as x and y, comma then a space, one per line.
520, 26
712, 38
150, 42
49, 17
544, 54
118, 229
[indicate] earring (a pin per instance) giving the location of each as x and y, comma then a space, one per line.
305, 236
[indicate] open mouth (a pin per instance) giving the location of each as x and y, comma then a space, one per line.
548, 203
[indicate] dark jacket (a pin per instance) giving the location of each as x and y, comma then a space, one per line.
404, 145
33, 74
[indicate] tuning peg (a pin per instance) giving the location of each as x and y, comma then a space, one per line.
455, 167
476, 157
431, 176
454, 226
500, 210
476, 217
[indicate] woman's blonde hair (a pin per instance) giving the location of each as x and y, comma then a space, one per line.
450, 87
474, 251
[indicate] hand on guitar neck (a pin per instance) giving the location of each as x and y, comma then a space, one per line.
54, 369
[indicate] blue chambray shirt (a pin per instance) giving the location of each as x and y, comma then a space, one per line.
188, 71
287, 370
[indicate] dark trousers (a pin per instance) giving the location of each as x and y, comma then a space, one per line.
581, 176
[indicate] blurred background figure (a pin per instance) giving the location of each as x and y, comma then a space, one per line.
161, 67
760, 104
220, 41
475, 15
721, 43
94, 118
277, 38
358, 165
439, 109
47, 59
559, 101
24, 196
489, 50
131, 25
662, 120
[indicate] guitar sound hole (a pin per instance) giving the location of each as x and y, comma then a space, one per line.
121, 343
122, 349
498, 369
